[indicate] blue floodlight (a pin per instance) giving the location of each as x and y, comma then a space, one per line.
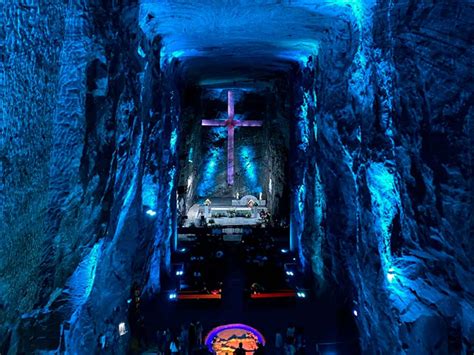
390, 275
151, 213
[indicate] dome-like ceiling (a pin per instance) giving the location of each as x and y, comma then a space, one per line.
217, 40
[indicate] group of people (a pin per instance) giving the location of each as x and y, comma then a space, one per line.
293, 343
186, 340
241, 351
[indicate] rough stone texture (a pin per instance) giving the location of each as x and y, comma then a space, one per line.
395, 156
76, 158
380, 151
30, 43
276, 150
260, 152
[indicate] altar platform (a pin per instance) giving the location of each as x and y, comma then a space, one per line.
227, 212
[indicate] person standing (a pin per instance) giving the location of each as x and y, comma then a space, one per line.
290, 349
192, 337
160, 339
240, 350
184, 339
174, 346
278, 343
167, 339
260, 349
290, 334
199, 331
300, 341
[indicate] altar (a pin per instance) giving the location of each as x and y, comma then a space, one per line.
247, 211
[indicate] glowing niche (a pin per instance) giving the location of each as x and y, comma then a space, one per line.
226, 338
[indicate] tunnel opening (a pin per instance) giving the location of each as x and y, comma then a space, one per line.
240, 250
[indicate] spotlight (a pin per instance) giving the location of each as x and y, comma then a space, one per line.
151, 213
284, 251
355, 313
179, 272
182, 250
390, 274
122, 329
301, 294
172, 296
290, 273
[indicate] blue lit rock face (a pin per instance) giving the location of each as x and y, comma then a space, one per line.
380, 151
99, 120
394, 160
261, 153
248, 145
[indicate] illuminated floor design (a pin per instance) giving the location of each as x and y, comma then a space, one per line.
226, 338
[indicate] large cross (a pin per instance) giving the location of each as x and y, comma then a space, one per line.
230, 123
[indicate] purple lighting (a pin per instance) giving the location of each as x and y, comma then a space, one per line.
218, 331
230, 123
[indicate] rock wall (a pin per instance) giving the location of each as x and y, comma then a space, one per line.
260, 152
276, 150
81, 156
381, 189
30, 44
394, 155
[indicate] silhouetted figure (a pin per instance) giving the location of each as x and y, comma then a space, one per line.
161, 341
184, 340
290, 349
199, 331
290, 334
167, 339
192, 336
240, 350
300, 341
278, 343
260, 349
174, 346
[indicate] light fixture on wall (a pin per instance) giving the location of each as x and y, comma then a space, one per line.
190, 155
391, 275
151, 213
122, 329
190, 182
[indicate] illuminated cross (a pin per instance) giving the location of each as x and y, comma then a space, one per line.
230, 123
